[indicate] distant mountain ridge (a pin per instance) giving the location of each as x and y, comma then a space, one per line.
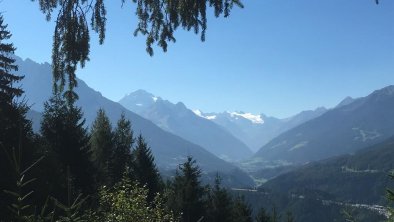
169, 150
257, 130
323, 188
345, 129
346, 101
179, 120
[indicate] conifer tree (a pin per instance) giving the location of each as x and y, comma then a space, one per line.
390, 198
144, 168
66, 146
241, 211
8, 91
123, 140
188, 195
102, 147
262, 216
15, 130
274, 216
219, 204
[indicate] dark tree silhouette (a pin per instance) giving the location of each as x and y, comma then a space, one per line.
16, 136
241, 211
8, 90
123, 141
66, 147
187, 194
262, 216
102, 147
220, 204
144, 169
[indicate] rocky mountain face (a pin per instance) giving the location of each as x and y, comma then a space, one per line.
345, 129
181, 121
257, 130
356, 182
169, 150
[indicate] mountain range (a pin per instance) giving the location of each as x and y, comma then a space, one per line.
257, 130
181, 121
321, 191
174, 132
350, 126
168, 149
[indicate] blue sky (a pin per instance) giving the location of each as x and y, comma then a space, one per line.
276, 57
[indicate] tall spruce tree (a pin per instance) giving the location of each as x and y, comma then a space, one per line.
8, 91
102, 147
241, 211
16, 134
66, 143
220, 204
123, 140
144, 168
188, 196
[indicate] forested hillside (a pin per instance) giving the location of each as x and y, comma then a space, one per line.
355, 183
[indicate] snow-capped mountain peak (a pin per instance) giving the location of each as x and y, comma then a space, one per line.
249, 116
140, 100
200, 114
255, 119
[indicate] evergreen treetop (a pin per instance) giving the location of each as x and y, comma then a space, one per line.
66, 146
102, 147
220, 203
189, 196
123, 141
241, 211
144, 168
8, 79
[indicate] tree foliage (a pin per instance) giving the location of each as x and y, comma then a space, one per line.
144, 169
187, 194
21, 196
8, 91
263, 216
220, 204
71, 209
16, 134
157, 20
127, 201
102, 147
123, 142
390, 197
241, 211
65, 143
